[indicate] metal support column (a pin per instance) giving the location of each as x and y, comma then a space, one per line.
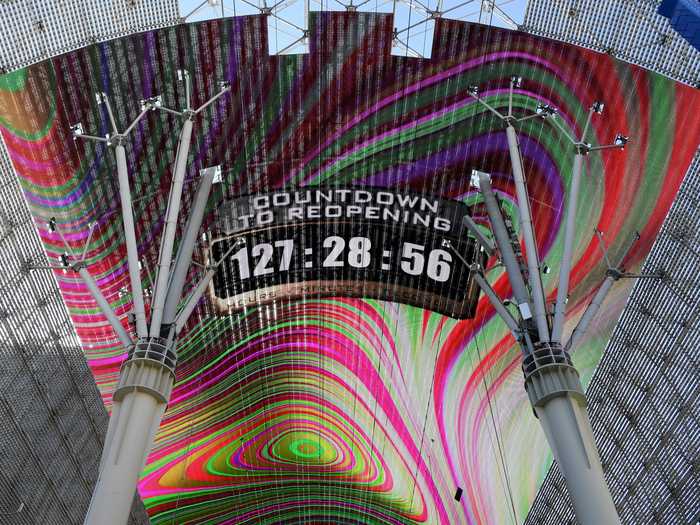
557, 397
130, 239
567, 256
551, 381
147, 376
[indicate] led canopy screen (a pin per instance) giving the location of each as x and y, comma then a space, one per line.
340, 409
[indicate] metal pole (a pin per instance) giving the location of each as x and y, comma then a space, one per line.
166, 252
560, 405
567, 256
131, 246
503, 241
194, 298
189, 240
497, 304
529, 236
484, 241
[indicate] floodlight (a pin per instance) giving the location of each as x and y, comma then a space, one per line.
445, 243
77, 129
181, 75
473, 90
224, 84
51, 224
516, 81
64, 260
545, 110
546, 269
100, 97
598, 107
151, 103
621, 140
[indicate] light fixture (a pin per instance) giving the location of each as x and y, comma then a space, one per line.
51, 225
473, 90
598, 107
621, 140
100, 97
151, 103
65, 262
516, 81
77, 129
224, 84
546, 269
545, 110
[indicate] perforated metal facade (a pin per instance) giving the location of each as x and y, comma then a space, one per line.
645, 395
629, 30
33, 30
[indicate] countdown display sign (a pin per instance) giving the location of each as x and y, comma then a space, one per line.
336, 241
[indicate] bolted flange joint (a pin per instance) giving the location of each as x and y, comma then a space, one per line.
149, 368
550, 373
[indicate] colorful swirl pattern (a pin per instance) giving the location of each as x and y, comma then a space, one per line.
341, 410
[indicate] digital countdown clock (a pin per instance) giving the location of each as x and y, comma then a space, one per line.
321, 242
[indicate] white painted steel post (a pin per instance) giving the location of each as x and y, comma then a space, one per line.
196, 295
590, 311
551, 380
147, 376
567, 255
484, 241
130, 238
497, 304
503, 241
557, 397
173, 210
141, 397
189, 240
106, 309
533, 265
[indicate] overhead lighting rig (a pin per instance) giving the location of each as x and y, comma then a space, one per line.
147, 376
551, 381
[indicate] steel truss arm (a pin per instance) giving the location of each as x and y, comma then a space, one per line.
147, 376
502, 237
198, 291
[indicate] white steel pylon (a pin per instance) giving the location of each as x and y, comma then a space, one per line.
147, 376
551, 381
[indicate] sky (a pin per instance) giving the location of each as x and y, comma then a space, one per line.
415, 36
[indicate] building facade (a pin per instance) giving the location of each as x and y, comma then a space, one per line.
632, 31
